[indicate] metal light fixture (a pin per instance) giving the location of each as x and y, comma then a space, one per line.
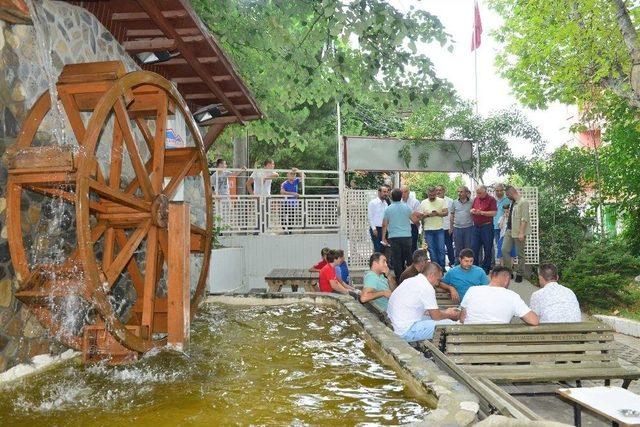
149, 58
209, 112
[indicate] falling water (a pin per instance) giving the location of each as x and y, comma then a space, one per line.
54, 235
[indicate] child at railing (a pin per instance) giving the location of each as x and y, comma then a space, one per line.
342, 270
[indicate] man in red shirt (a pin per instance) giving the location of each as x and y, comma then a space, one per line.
327, 281
483, 209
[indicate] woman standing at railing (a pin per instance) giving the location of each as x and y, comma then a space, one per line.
289, 188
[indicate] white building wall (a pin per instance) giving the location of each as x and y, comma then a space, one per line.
264, 252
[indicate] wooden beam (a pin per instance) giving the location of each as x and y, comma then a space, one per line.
212, 134
183, 61
178, 282
137, 16
155, 32
196, 79
233, 94
189, 55
155, 44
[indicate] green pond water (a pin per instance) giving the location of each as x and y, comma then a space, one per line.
247, 365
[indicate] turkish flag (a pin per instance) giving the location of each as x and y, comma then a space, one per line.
476, 37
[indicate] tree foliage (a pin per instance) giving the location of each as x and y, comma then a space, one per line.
495, 134
300, 57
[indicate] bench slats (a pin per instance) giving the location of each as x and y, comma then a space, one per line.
527, 348
549, 328
559, 373
528, 338
535, 358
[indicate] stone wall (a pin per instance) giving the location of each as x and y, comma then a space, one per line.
75, 36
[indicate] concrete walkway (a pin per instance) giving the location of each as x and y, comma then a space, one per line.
627, 349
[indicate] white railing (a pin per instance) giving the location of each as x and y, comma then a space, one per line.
277, 214
311, 181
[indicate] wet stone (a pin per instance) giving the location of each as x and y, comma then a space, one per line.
6, 292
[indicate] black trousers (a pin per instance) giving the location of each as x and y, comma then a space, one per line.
401, 250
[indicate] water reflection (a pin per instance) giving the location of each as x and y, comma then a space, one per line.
291, 365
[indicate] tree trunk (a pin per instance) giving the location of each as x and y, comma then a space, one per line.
630, 36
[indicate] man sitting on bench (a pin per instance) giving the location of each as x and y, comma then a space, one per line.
554, 303
463, 276
413, 309
495, 303
376, 282
419, 259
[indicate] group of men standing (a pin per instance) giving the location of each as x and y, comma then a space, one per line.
450, 226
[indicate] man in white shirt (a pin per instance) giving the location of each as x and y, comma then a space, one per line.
554, 303
259, 183
409, 199
495, 303
413, 309
375, 213
446, 226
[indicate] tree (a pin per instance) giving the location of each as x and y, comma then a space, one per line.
569, 51
456, 120
300, 57
421, 181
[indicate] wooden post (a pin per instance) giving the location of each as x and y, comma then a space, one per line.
178, 310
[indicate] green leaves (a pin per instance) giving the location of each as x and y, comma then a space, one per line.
300, 57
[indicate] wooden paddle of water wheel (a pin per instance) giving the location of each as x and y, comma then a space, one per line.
120, 179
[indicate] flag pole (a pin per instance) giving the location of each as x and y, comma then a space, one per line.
476, 44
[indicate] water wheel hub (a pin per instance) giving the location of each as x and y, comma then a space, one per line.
160, 211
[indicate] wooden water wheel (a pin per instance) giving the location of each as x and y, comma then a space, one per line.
118, 180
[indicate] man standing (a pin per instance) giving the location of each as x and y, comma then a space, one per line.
376, 282
259, 183
463, 276
554, 303
446, 225
518, 228
483, 209
420, 258
397, 220
375, 214
495, 303
501, 201
433, 209
411, 201
413, 309
461, 222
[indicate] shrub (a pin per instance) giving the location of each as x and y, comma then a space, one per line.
601, 275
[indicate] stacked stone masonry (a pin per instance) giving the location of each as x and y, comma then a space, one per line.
75, 36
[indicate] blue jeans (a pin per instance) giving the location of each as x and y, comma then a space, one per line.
448, 244
462, 240
377, 246
499, 241
423, 329
435, 242
482, 238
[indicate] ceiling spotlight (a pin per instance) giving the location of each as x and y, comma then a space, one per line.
209, 112
149, 58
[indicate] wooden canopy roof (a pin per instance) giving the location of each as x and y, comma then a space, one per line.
201, 71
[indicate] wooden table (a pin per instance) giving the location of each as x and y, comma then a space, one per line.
294, 277
607, 402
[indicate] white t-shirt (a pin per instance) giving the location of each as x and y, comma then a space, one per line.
492, 304
446, 219
261, 186
409, 303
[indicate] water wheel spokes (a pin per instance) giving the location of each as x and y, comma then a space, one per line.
119, 179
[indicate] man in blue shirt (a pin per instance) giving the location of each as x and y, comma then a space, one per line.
376, 287
397, 222
463, 276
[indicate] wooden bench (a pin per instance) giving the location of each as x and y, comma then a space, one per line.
294, 277
518, 353
492, 398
